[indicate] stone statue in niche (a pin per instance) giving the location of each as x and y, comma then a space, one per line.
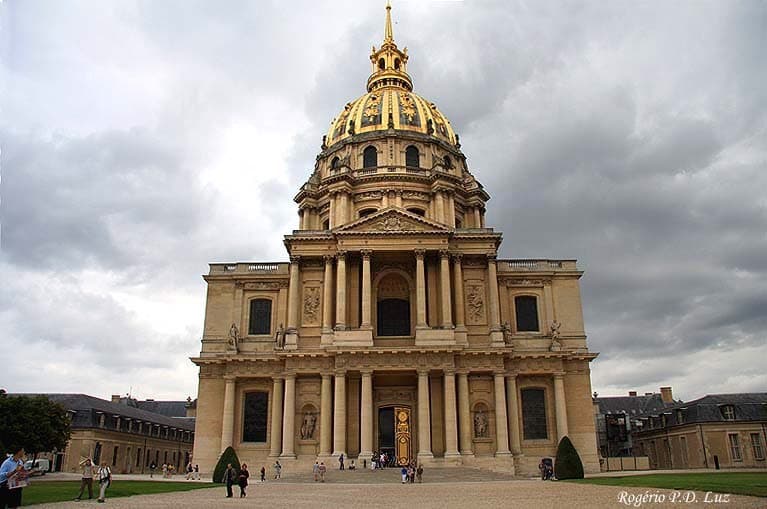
506, 328
234, 337
307, 427
555, 343
279, 338
480, 425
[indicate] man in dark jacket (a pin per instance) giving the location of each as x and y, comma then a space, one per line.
230, 477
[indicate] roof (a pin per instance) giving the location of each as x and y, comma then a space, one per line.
749, 406
166, 408
83, 405
631, 405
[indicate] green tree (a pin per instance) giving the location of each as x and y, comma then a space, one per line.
33, 422
568, 464
227, 457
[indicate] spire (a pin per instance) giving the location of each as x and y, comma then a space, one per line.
388, 32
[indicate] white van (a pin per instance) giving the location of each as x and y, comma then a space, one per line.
40, 467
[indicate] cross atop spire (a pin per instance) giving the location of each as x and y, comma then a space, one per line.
388, 32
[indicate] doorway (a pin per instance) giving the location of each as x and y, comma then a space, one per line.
394, 434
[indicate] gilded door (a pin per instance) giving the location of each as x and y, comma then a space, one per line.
403, 443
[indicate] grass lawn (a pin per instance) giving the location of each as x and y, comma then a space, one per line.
740, 483
59, 491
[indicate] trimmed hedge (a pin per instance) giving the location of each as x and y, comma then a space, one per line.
228, 456
568, 464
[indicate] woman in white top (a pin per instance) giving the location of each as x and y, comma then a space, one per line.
105, 479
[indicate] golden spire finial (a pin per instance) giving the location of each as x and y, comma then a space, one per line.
388, 32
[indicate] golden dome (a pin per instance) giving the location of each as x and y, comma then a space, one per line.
390, 102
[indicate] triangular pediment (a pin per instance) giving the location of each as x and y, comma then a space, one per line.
390, 220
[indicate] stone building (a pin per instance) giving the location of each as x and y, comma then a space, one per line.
718, 430
118, 432
394, 327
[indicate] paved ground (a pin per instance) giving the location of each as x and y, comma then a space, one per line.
443, 488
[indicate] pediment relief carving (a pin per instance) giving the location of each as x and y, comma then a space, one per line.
392, 220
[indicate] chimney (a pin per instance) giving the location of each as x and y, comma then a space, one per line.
115, 398
648, 393
632, 393
665, 395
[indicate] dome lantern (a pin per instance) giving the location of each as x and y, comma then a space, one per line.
389, 63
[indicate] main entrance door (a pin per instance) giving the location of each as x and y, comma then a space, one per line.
394, 434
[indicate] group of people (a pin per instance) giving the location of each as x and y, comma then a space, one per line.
379, 460
411, 473
232, 477
88, 471
319, 470
192, 472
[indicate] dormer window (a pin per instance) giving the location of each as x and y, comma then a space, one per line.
728, 412
679, 417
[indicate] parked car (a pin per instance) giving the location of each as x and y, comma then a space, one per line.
40, 467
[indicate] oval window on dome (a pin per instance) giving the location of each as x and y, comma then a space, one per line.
412, 159
382, 64
370, 157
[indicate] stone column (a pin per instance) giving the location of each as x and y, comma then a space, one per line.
341, 292
424, 419
332, 211
513, 411
451, 428
444, 272
458, 291
477, 221
289, 417
398, 199
276, 428
326, 409
420, 290
501, 422
481, 218
384, 198
227, 426
450, 209
440, 206
327, 296
492, 275
366, 293
344, 208
301, 218
339, 415
560, 405
294, 299
366, 416
464, 413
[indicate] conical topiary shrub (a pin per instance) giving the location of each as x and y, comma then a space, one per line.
228, 456
568, 464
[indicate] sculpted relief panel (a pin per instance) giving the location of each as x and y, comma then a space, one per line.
311, 305
475, 303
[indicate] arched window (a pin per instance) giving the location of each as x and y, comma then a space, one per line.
370, 157
366, 212
260, 317
254, 418
448, 162
534, 414
526, 308
382, 64
335, 163
417, 212
396, 63
411, 157
326, 224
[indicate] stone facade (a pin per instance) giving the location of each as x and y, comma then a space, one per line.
394, 326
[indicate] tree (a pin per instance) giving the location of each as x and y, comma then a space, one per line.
568, 463
227, 457
33, 422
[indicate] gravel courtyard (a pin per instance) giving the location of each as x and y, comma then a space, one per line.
382, 490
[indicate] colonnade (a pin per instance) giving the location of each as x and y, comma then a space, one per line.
441, 208
458, 426
450, 292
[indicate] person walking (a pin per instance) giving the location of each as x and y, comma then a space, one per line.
242, 479
316, 471
341, 461
196, 472
419, 473
11, 471
189, 470
323, 470
263, 474
87, 478
277, 469
229, 478
152, 468
403, 473
105, 480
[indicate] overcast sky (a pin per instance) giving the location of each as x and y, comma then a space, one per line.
142, 140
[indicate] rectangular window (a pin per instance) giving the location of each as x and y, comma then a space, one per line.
683, 447
260, 317
114, 456
534, 414
734, 440
254, 425
728, 412
138, 457
756, 444
526, 308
